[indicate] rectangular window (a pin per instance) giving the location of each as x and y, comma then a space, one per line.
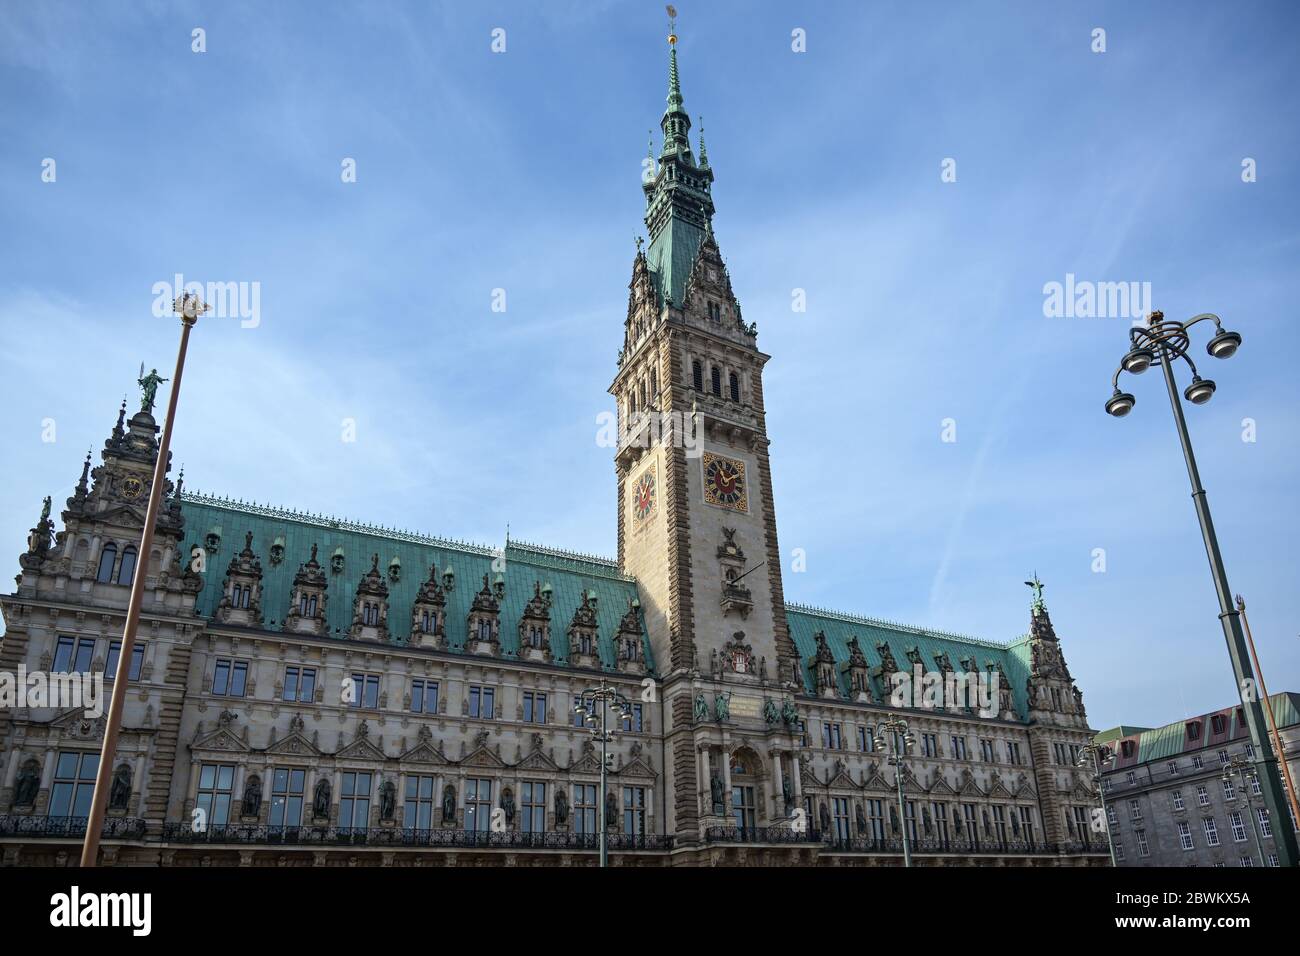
1130, 778
424, 696
1185, 835
958, 747
1198, 762
638, 719
1143, 848
840, 816
1027, 823
482, 702
1178, 799
1238, 827
1119, 852
1000, 822
930, 745
579, 719
584, 808
909, 816
533, 802
354, 801
419, 803
287, 785
72, 655
1229, 790
831, 736
1111, 816
478, 804
1265, 827
114, 651
876, 819
74, 784
634, 810
1134, 810
229, 678
534, 707
365, 691
1013, 752
987, 753
300, 683
1202, 797
1211, 832
1173, 768
216, 789
1246, 861
864, 740
1224, 758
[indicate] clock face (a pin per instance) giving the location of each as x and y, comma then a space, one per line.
643, 495
132, 488
724, 482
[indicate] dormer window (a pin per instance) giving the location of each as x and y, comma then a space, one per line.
484, 630
584, 644
631, 649
307, 605
715, 312
240, 595
1193, 730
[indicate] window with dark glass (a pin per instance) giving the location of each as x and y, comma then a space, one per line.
107, 558
229, 678
74, 784
365, 691
127, 571
215, 792
715, 381
114, 651
876, 818
424, 696
72, 655
637, 716
419, 804
482, 702
584, 808
840, 816
733, 383
634, 810
534, 707
354, 801
300, 683
478, 804
579, 720
697, 375
533, 803
287, 784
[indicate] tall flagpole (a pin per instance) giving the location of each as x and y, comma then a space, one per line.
190, 308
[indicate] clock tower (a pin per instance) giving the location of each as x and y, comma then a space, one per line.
696, 523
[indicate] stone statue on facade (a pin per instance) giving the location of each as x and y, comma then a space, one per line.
119, 794
252, 796
508, 804
561, 807
387, 800
715, 791
29, 781
449, 804
722, 706
770, 713
701, 708
611, 810
320, 805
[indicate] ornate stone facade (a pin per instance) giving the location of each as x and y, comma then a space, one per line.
343, 694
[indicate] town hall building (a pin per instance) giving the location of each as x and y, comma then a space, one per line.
307, 691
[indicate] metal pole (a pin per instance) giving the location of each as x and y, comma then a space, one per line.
1268, 712
1274, 794
99, 802
604, 797
1101, 792
1254, 823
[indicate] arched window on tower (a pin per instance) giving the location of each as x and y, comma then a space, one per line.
654, 382
107, 558
643, 401
127, 571
716, 382
733, 380
697, 375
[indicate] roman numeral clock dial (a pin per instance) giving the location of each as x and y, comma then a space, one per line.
724, 482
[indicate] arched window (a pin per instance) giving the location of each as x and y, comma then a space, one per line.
697, 375
716, 382
311, 606
127, 570
654, 382
643, 401
235, 595
107, 558
734, 381
248, 592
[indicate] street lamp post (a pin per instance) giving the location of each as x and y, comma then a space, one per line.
1245, 771
1162, 342
893, 737
189, 308
1093, 757
594, 704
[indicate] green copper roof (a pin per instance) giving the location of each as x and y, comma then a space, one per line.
1162, 743
568, 574
1115, 733
805, 622
678, 200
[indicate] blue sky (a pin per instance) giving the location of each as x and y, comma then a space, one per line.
520, 171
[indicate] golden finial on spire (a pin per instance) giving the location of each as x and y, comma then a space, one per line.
672, 25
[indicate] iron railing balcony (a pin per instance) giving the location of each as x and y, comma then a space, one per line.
315, 836
115, 828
